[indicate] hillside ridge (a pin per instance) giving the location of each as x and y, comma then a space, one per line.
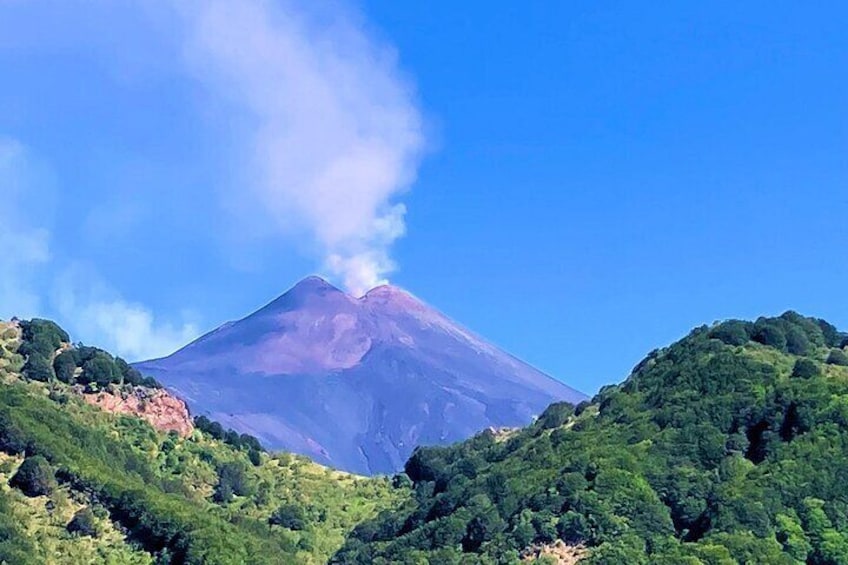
725, 447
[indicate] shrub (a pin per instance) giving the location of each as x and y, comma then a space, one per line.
830, 333
100, 369
837, 357
769, 334
401, 480
288, 516
805, 369
37, 368
555, 415
42, 336
83, 524
129, 374
231, 480
12, 438
733, 332
797, 342
34, 477
65, 365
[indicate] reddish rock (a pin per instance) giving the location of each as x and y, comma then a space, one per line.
162, 410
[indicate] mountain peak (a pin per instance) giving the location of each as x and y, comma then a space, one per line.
307, 291
356, 383
313, 283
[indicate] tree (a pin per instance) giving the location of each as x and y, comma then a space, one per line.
129, 374
34, 477
83, 523
837, 357
732, 332
100, 369
43, 336
289, 516
769, 334
37, 368
555, 415
401, 480
231, 480
65, 366
830, 333
797, 342
805, 369
12, 439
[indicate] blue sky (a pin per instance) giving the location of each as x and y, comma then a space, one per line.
578, 183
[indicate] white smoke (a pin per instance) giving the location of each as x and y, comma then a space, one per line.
87, 305
335, 132
92, 308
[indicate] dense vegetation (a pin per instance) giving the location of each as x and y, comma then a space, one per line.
727, 447
80, 485
730, 446
48, 356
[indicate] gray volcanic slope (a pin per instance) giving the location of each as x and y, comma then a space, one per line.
354, 383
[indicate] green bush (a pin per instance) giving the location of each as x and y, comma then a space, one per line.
230, 437
555, 415
100, 369
769, 334
42, 336
732, 332
401, 480
805, 369
65, 366
83, 523
37, 368
837, 357
232, 480
289, 516
797, 342
34, 477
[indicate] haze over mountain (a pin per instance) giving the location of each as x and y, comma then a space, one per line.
355, 383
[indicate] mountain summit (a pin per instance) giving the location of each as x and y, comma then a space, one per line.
356, 383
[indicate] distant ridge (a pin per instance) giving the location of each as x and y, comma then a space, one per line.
355, 383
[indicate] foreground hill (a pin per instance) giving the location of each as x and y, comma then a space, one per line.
354, 383
730, 446
79, 484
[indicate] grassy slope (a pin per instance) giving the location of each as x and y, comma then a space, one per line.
104, 457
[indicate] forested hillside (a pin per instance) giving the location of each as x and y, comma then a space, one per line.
730, 446
79, 485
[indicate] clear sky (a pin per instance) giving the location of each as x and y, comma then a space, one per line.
578, 182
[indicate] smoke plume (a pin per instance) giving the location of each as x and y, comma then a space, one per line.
334, 135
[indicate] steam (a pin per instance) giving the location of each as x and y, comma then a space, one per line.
335, 135
94, 309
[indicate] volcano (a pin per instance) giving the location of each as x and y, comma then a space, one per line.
354, 383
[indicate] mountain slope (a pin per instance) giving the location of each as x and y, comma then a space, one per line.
727, 447
190, 495
354, 383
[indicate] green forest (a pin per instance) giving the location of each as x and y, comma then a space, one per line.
729, 446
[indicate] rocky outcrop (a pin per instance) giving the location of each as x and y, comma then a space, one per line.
557, 552
162, 410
